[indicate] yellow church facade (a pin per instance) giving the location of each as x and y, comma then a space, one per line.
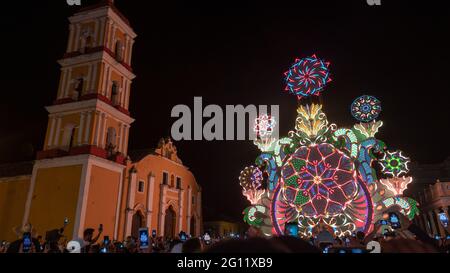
84, 171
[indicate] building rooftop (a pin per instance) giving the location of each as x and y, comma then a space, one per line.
16, 169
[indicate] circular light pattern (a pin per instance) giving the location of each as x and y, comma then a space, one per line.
319, 180
394, 163
366, 108
253, 215
307, 77
251, 178
264, 125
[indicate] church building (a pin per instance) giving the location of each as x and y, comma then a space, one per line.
84, 171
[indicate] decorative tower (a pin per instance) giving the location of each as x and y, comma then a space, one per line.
79, 172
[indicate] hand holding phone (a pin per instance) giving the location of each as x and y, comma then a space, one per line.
143, 238
26, 242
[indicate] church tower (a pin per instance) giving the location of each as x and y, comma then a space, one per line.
79, 172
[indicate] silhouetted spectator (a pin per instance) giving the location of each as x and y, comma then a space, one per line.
295, 245
193, 245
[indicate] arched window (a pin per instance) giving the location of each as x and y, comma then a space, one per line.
79, 84
86, 39
68, 137
111, 138
119, 51
115, 93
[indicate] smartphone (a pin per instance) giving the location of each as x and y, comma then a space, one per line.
351, 250
66, 221
291, 229
143, 237
325, 246
26, 242
106, 240
100, 228
437, 237
383, 222
183, 236
395, 222
154, 233
358, 250
103, 250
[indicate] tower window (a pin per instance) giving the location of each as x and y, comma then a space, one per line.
165, 178
115, 93
119, 51
79, 84
111, 139
172, 181
178, 182
193, 200
141, 186
68, 137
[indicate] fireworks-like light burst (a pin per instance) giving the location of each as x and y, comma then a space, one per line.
365, 108
251, 182
394, 163
264, 126
307, 77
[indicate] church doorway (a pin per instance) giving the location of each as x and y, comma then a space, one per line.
137, 222
169, 223
192, 227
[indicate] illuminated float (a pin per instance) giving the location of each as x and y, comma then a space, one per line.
321, 174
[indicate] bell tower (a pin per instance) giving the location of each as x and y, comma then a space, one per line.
79, 172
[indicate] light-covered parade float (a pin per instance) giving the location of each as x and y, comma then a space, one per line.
344, 179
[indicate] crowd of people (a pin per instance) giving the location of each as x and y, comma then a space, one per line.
412, 240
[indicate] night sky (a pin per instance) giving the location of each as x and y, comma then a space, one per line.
236, 54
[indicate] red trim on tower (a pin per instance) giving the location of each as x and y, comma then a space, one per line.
79, 150
90, 50
93, 96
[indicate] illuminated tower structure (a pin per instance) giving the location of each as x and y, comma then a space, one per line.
79, 172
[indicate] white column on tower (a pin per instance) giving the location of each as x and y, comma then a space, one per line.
88, 127
80, 128
119, 138
52, 130
77, 37
127, 93
93, 78
103, 134
107, 82
101, 40
67, 84
127, 48
57, 133
88, 81
96, 30
63, 83
130, 51
109, 34
122, 92
125, 144
97, 127
71, 35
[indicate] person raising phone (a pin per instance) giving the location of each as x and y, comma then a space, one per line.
88, 239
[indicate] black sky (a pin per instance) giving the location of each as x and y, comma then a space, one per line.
236, 55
